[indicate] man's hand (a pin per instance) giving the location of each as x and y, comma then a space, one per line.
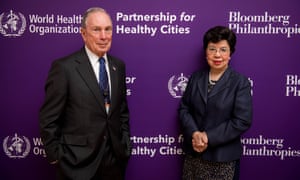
54, 162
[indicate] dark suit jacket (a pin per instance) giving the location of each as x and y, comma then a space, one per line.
73, 122
224, 114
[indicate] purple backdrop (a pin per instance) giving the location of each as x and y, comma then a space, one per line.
161, 43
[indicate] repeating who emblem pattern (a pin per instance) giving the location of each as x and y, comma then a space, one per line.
177, 85
12, 24
16, 146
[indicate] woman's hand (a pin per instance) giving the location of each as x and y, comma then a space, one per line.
199, 141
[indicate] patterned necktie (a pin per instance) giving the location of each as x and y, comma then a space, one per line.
103, 81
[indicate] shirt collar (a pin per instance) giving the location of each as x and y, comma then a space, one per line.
93, 57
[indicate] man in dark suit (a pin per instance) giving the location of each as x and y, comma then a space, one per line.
84, 128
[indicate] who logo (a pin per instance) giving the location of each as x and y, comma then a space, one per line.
16, 146
12, 24
177, 85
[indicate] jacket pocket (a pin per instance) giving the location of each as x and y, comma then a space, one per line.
74, 140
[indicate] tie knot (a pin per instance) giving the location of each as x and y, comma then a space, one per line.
102, 60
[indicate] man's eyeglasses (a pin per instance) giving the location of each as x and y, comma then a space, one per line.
213, 50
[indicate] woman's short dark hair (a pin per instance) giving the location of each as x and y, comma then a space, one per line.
219, 33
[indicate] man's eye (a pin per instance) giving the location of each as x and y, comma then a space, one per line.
108, 29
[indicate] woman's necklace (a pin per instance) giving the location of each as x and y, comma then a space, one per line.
212, 82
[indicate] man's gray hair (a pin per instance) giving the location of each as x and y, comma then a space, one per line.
91, 10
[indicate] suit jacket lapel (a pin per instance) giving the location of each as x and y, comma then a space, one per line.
221, 84
113, 80
87, 73
202, 85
